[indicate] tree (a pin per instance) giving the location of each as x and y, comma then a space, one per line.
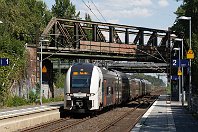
65, 9
155, 81
22, 19
88, 32
189, 8
87, 17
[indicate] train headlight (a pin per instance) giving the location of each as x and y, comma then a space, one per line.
90, 94
69, 94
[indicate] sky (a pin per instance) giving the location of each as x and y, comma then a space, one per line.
158, 14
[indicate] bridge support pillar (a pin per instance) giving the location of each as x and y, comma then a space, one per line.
127, 36
94, 34
155, 39
76, 36
141, 38
111, 34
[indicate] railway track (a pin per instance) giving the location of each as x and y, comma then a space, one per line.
133, 115
37, 127
69, 125
55, 126
108, 121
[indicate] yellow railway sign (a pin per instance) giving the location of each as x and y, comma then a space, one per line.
179, 73
44, 69
190, 54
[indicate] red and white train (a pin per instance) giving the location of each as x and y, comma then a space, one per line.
91, 88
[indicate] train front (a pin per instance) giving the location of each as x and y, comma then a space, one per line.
79, 97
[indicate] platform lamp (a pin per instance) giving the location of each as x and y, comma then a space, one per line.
190, 77
182, 57
178, 49
41, 63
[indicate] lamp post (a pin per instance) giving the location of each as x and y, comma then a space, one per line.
41, 67
190, 78
179, 75
182, 57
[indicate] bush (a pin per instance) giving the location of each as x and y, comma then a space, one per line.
59, 80
56, 99
32, 97
16, 101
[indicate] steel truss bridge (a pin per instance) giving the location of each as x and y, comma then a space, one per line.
78, 39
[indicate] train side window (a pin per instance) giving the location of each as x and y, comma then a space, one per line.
102, 87
111, 90
99, 83
108, 90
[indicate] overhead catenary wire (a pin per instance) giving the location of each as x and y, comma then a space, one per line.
105, 20
160, 54
98, 10
90, 10
149, 54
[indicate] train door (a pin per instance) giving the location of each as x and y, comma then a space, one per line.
113, 92
104, 94
116, 93
119, 90
109, 94
140, 88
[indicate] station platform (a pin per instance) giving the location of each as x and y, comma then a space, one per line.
15, 118
25, 110
165, 116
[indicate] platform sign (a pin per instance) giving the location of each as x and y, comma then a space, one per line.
174, 77
175, 63
4, 62
190, 54
184, 63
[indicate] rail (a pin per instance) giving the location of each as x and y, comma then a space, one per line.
126, 114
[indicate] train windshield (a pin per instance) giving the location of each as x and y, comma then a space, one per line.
81, 81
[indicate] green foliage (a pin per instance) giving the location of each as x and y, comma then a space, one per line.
22, 19
155, 81
32, 97
56, 99
65, 9
59, 80
87, 17
190, 8
10, 73
15, 101
88, 32
168, 89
